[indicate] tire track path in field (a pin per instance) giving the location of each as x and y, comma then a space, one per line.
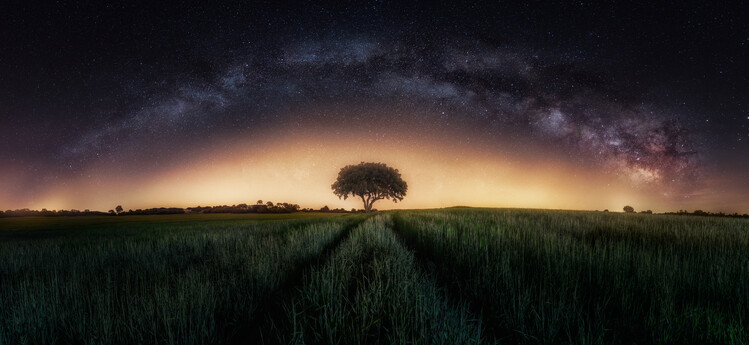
260, 329
492, 333
372, 290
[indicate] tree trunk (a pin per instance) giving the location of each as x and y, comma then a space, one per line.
368, 202
367, 206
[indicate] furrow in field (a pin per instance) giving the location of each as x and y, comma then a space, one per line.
453, 286
371, 291
270, 312
157, 284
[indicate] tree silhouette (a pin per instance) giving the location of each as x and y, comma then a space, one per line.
118, 209
370, 182
629, 209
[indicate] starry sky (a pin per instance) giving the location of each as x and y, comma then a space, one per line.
569, 105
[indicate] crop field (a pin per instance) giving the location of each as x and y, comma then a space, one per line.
449, 276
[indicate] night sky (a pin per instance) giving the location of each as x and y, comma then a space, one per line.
571, 105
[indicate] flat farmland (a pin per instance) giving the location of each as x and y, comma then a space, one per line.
448, 276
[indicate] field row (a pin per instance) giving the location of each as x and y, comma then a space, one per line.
165, 284
583, 277
218, 285
372, 291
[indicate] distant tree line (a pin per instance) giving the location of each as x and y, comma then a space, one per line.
268, 207
25, 212
711, 214
159, 210
630, 209
337, 210
259, 207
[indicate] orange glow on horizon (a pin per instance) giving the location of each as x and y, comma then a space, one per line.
302, 169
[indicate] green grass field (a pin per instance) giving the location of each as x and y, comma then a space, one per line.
451, 276
87, 225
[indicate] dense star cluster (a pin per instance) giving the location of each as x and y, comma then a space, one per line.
660, 104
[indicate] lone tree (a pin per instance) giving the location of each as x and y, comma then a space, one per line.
370, 182
118, 209
629, 209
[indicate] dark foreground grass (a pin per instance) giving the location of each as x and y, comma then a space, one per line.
442, 277
554, 277
156, 283
41, 227
372, 292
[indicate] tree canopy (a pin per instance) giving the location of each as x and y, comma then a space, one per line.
370, 182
